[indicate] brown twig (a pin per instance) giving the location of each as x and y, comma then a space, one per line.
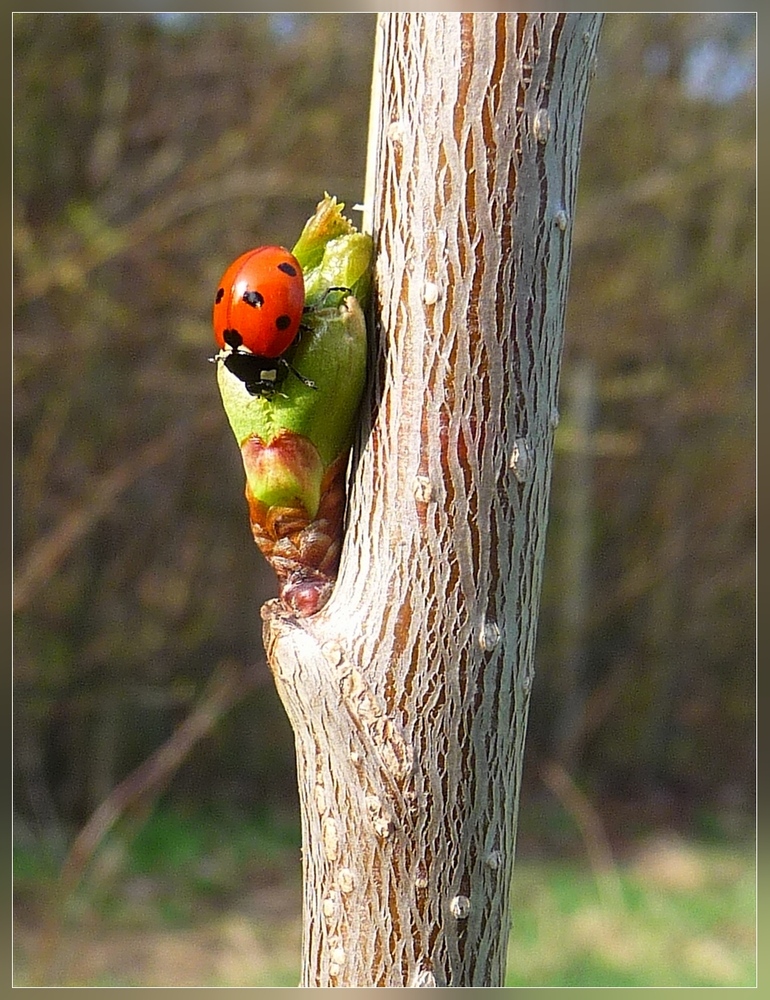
591, 828
49, 551
228, 685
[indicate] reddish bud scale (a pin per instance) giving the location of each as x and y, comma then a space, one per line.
303, 551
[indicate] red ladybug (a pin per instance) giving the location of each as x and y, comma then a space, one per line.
257, 314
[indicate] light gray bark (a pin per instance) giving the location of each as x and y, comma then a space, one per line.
408, 692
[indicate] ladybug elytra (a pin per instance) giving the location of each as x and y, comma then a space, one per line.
257, 314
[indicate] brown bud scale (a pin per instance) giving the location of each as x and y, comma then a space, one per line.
303, 552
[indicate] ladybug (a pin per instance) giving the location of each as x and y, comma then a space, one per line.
258, 310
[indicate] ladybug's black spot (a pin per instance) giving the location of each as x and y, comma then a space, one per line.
220, 296
283, 322
254, 299
232, 338
288, 268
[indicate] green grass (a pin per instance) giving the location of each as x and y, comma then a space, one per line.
676, 914
214, 900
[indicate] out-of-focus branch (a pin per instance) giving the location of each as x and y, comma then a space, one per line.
598, 849
228, 685
48, 552
70, 270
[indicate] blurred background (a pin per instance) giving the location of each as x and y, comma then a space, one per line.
149, 151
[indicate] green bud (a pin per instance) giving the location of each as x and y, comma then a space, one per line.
332, 354
294, 442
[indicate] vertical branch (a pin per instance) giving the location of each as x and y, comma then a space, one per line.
576, 564
409, 691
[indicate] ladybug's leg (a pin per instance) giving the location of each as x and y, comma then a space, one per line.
332, 288
308, 309
305, 381
337, 288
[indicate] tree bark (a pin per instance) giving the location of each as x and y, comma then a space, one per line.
408, 693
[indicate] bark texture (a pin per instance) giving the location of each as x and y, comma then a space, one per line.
408, 692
